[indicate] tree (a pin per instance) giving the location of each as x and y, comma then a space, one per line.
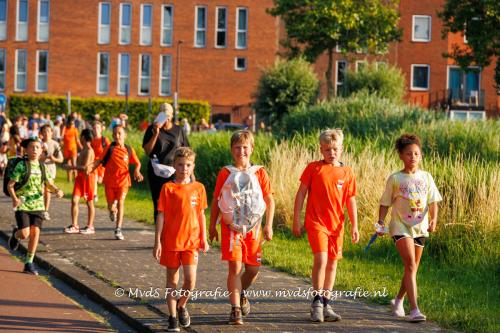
479, 21
316, 26
286, 85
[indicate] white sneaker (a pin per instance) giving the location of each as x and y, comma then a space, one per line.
329, 314
317, 311
398, 311
119, 234
416, 316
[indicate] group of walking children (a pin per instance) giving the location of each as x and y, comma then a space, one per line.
243, 196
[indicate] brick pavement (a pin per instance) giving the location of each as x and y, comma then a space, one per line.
98, 265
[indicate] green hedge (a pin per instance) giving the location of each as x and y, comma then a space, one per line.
194, 111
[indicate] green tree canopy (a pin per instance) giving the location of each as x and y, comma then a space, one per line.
479, 21
316, 26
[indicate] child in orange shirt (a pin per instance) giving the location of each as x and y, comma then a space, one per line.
99, 144
241, 248
116, 159
180, 232
71, 143
330, 186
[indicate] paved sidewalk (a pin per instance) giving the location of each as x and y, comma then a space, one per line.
108, 270
29, 304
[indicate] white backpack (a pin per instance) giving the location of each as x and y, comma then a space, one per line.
241, 201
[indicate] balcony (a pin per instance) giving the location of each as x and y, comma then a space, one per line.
459, 99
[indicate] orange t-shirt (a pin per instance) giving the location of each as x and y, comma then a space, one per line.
70, 138
329, 187
181, 204
116, 174
97, 145
262, 177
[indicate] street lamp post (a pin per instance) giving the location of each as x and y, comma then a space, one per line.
177, 79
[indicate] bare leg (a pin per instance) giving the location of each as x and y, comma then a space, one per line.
406, 249
119, 217
319, 269
418, 255
189, 283
91, 213
172, 279
34, 236
234, 281
249, 276
74, 210
330, 275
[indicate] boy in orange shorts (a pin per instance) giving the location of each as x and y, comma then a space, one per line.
99, 144
180, 232
70, 146
240, 245
84, 186
116, 159
330, 186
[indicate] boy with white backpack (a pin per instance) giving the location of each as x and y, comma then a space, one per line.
241, 197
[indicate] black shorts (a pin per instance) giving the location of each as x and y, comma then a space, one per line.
27, 219
419, 241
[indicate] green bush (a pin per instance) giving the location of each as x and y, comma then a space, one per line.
384, 81
194, 111
284, 86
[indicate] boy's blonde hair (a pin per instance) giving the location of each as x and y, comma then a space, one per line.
329, 136
184, 152
242, 136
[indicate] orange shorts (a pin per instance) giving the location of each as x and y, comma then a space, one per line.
174, 259
100, 171
115, 193
84, 186
247, 250
70, 153
321, 241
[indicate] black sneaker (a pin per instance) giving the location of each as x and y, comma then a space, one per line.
173, 324
245, 305
235, 318
30, 268
184, 318
13, 241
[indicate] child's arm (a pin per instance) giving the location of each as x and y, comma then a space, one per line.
268, 227
59, 158
137, 172
203, 231
15, 200
159, 229
297, 209
214, 214
51, 187
352, 210
433, 214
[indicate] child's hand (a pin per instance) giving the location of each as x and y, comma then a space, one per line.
297, 230
432, 226
355, 235
213, 234
268, 232
138, 176
59, 193
16, 203
204, 246
157, 251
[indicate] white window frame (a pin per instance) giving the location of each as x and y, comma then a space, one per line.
22, 25
421, 40
16, 72
382, 63
196, 29
123, 27
42, 25
217, 29
143, 27
100, 26
3, 24
2, 73
428, 77
238, 69
168, 77
99, 75
337, 82
38, 74
238, 31
359, 62
144, 77
120, 76
164, 29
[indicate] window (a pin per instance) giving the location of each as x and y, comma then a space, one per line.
22, 20
42, 65
103, 73
167, 24
144, 74
146, 19
123, 73
200, 27
3, 19
165, 74
382, 65
420, 77
360, 65
125, 23
421, 28
104, 22
340, 78
20, 75
2, 69
221, 27
241, 28
43, 21
240, 63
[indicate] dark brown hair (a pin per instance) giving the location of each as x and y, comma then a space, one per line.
405, 140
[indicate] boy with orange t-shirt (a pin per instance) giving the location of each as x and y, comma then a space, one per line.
71, 143
99, 144
245, 249
116, 159
180, 232
330, 186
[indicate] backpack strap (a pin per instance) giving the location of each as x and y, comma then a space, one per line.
110, 151
103, 141
254, 168
44, 173
26, 175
